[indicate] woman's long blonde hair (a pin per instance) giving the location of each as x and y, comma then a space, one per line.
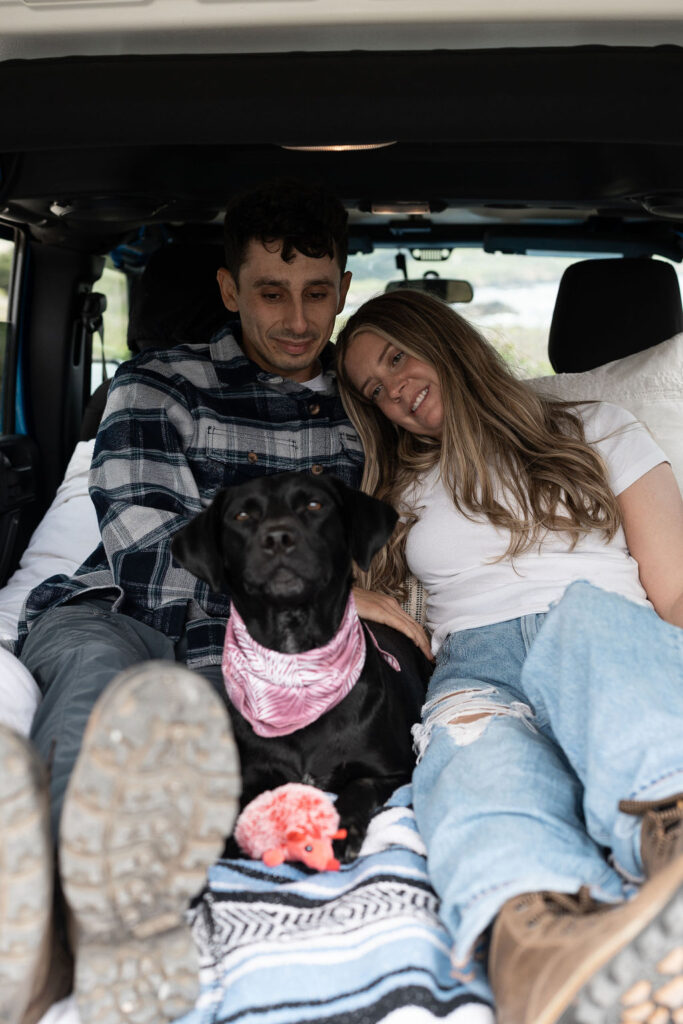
496, 431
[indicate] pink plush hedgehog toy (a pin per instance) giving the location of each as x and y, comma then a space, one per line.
292, 822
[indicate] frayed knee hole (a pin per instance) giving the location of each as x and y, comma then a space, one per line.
466, 715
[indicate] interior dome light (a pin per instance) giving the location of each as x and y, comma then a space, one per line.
405, 208
346, 147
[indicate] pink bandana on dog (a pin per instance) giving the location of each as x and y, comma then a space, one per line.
279, 693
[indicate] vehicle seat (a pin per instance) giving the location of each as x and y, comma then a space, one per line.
176, 299
610, 308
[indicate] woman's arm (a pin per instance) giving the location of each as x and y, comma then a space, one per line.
652, 510
386, 609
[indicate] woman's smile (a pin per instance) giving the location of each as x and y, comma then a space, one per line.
420, 399
405, 389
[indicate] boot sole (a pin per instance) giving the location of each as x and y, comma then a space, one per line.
26, 872
638, 974
150, 801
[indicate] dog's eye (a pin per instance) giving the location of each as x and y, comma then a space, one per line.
314, 506
241, 516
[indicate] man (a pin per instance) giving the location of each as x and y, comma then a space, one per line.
151, 771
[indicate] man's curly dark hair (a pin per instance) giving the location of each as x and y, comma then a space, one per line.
304, 218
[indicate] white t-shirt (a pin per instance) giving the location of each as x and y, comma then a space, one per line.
317, 383
455, 556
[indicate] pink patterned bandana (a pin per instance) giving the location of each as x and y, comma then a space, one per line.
279, 693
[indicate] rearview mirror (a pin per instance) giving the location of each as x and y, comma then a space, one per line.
444, 288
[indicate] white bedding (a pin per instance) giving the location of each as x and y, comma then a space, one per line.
649, 384
65, 536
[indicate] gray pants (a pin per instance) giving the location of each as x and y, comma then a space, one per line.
73, 653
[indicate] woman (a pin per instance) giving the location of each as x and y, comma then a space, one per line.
549, 787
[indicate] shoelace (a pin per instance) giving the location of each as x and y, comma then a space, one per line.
557, 904
669, 813
665, 822
580, 903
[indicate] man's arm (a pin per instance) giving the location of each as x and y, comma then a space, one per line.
144, 489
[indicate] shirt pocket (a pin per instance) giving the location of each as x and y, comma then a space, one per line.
237, 453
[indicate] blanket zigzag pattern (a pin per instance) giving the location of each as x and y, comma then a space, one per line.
287, 945
230, 924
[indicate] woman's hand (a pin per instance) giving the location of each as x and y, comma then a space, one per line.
382, 608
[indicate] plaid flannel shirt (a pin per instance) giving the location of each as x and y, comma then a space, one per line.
179, 424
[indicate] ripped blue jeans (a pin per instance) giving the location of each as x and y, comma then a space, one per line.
582, 707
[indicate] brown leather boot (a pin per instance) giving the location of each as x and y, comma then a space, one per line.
661, 837
558, 959
26, 875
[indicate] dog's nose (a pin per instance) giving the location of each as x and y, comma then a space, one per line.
278, 538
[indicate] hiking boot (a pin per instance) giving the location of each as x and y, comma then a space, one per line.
26, 875
150, 801
559, 959
661, 837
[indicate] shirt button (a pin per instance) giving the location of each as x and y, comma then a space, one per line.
317, 469
252, 456
314, 408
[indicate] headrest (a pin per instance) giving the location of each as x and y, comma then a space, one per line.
177, 298
607, 309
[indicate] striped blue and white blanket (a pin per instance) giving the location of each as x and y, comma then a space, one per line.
357, 946
287, 945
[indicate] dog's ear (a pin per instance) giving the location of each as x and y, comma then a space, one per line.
197, 546
371, 523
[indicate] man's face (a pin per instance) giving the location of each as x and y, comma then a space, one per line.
287, 310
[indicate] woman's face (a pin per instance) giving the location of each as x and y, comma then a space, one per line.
405, 389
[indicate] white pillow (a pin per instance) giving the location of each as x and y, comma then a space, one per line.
649, 384
64, 538
19, 693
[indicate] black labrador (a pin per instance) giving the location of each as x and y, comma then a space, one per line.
282, 547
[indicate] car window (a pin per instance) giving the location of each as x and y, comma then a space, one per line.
106, 357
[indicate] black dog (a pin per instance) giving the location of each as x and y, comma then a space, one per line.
282, 547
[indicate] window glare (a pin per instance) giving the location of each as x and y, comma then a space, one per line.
113, 284
6, 253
